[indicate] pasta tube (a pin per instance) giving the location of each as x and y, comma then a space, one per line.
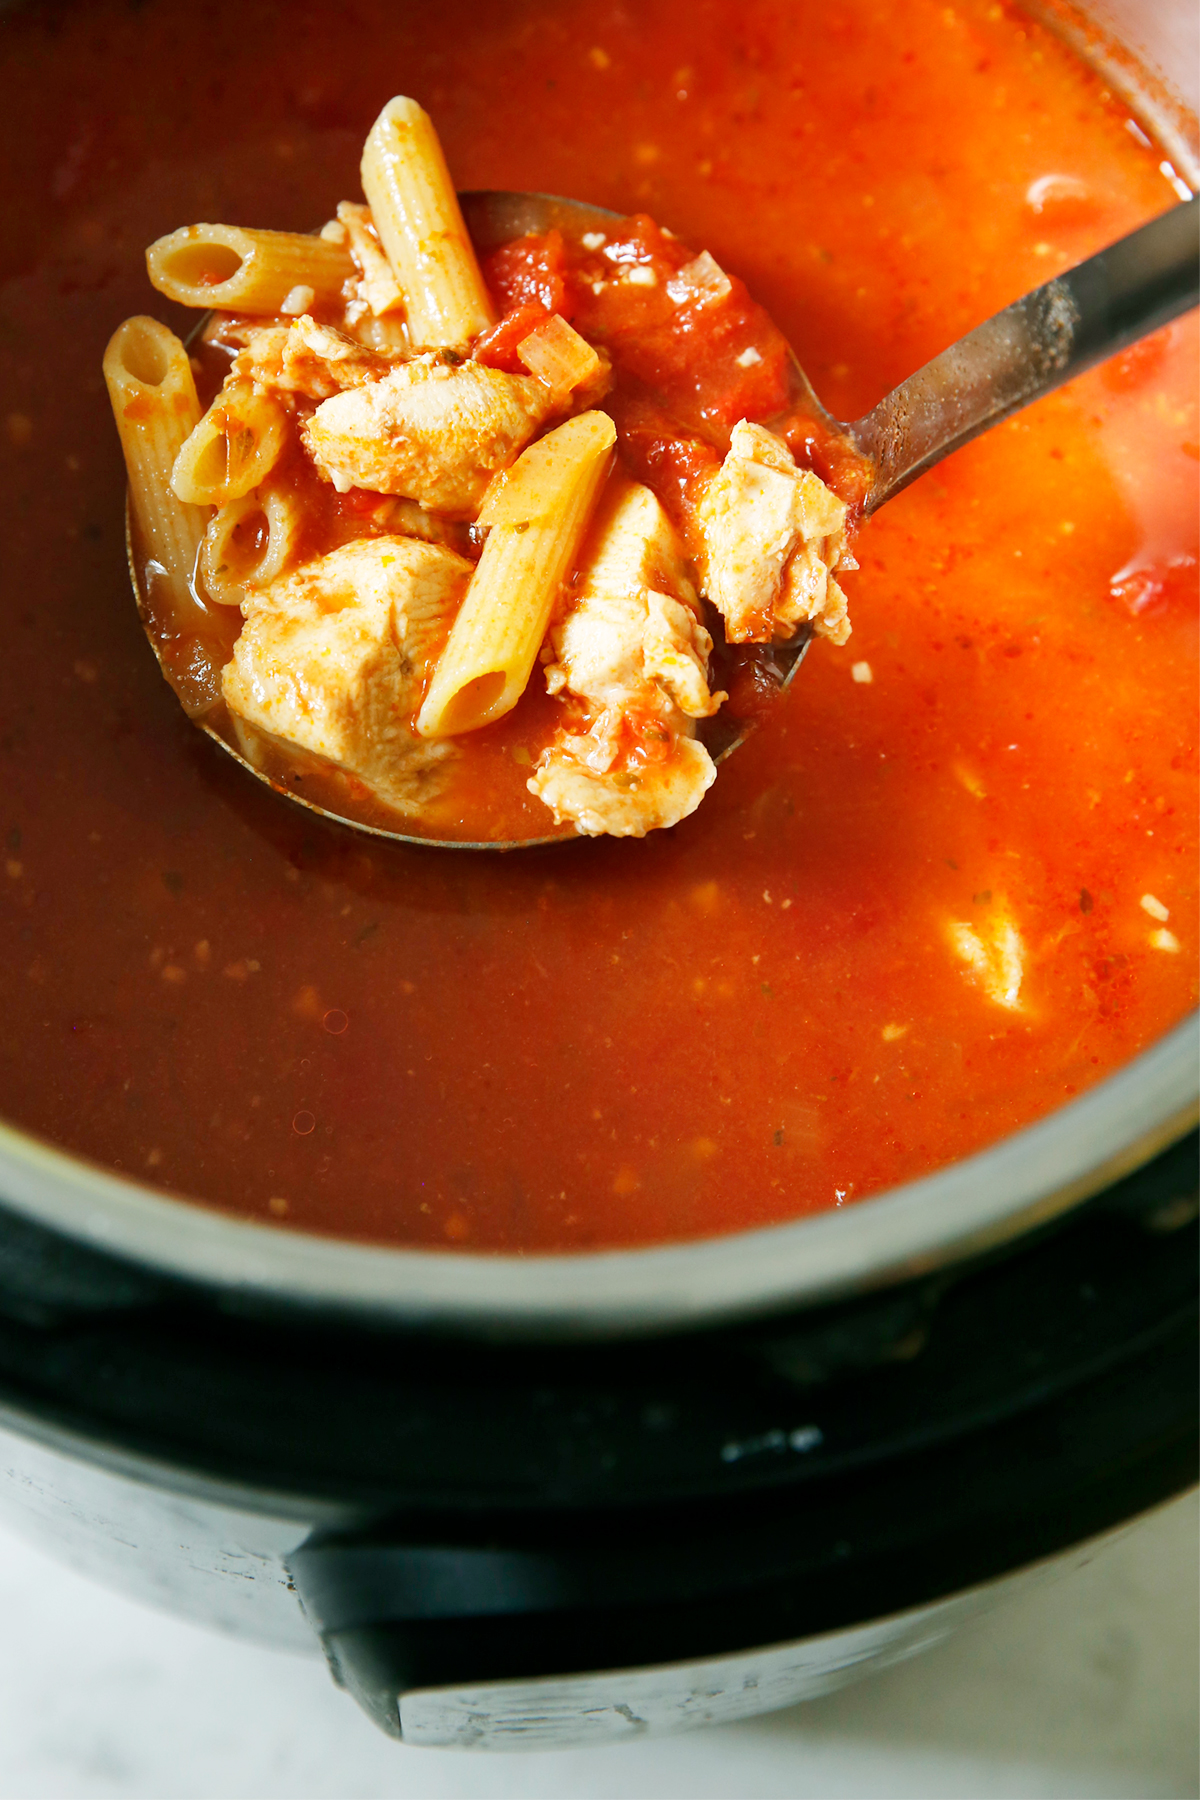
248, 271
154, 402
538, 513
252, 539
416, 214
235, 446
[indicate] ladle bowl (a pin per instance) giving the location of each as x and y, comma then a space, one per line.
1090, 312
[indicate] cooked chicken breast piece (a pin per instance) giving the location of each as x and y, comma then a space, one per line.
632, 634
627, 801
308, 358
772, 535
430, 430
632, 654
333, 659
377, 279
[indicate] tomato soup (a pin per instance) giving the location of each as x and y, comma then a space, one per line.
949, 883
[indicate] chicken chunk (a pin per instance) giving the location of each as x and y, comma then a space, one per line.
333, 659
431, 430
632, 655
772, 536
377, 279
994, 953
634, 626
309, 358
627, 801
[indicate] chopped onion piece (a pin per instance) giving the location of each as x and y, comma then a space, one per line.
557, 355
702, 279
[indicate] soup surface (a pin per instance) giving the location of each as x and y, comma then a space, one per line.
950, 882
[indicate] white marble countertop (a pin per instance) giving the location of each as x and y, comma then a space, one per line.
1086, 1686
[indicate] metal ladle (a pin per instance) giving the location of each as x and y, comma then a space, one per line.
1060, 329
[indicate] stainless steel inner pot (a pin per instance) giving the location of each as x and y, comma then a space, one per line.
1147, 51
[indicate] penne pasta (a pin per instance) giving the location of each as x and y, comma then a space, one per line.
233, 448
243, 271
251, 540
537, 513
153, 395
415, 211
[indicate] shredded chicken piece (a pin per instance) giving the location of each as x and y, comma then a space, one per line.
632, 653
994, 953
772, 536
433, 430
308, 358
387, 332
377, 279
333, 659
627, 801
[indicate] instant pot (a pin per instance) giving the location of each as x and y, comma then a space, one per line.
500, 1542
559, 1498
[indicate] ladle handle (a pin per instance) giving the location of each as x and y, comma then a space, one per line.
1032, 347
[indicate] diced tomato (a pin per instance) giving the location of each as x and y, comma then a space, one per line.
680, 466
714, 360
657, 452
498, 345
530, 269
719, 360
828, 454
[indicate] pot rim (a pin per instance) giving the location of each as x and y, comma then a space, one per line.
984, 1200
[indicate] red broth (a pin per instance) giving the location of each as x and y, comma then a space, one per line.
762, 1013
